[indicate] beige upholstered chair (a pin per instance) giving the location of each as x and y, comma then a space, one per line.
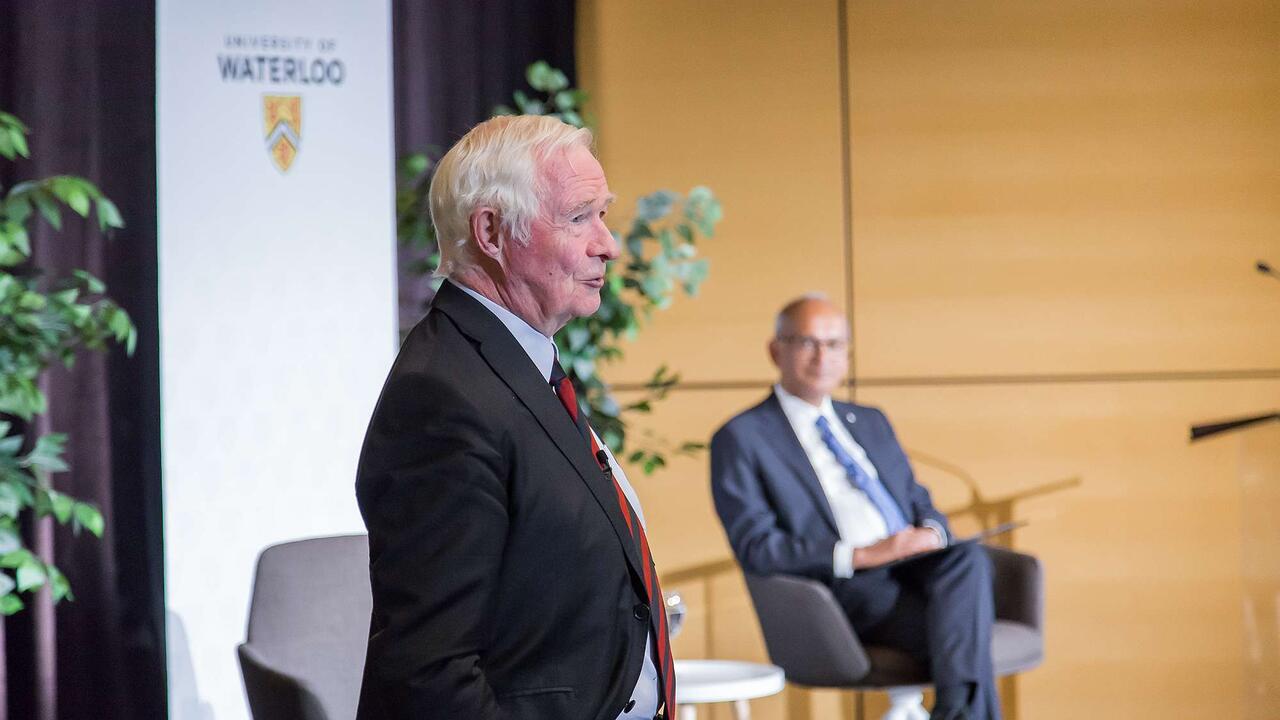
308, 629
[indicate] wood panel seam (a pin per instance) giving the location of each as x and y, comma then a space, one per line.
846, 173
1031, 379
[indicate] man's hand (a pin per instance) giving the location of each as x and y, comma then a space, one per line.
906, 543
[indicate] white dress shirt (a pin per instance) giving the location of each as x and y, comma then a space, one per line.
543, 352
857, 518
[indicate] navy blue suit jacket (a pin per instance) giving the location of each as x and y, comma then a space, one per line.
768, 497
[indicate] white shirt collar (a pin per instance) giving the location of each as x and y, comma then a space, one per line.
541, 349
800, 411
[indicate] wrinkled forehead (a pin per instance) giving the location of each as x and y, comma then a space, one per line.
571, 176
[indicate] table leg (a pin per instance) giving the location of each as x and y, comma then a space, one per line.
688, 711
741, 710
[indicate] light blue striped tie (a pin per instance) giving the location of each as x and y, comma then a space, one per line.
873, 488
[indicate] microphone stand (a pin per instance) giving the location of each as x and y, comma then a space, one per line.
990, 512
1204, 430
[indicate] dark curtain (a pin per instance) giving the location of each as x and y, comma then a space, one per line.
454, 61
82, 76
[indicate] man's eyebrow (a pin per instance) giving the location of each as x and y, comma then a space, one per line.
579, 207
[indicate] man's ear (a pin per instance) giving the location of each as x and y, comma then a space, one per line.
486, 229
772, 345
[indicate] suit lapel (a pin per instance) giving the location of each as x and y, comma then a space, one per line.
512, 365
793, 454
861, 432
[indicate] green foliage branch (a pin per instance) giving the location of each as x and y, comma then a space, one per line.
42, 321
659, 262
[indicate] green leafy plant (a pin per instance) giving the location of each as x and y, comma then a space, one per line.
659, 262
42, 321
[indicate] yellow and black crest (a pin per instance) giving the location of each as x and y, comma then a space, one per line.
282, 125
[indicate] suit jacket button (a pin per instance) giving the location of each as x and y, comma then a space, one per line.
641, 611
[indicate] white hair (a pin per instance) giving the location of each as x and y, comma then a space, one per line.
494, 165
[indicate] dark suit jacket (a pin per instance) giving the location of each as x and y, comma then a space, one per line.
768, 497
504, 577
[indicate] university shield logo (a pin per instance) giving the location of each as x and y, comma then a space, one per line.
282, 123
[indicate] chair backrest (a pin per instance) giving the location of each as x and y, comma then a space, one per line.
309, 615
806, 631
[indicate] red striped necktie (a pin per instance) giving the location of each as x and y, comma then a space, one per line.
657, 609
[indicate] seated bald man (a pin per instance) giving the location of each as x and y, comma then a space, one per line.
806, 485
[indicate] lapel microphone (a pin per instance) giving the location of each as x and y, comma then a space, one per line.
603, 458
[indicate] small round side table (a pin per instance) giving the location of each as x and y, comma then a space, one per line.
712, 681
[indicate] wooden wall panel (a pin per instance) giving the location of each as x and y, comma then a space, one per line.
677, 500
742, 97
1143, 560
1260, 479
1064, 188
1039, 190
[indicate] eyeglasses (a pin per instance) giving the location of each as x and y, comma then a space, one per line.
811, 344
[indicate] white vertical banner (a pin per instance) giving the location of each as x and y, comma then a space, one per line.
277, 298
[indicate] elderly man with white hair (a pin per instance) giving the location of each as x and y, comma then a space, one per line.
510, 570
